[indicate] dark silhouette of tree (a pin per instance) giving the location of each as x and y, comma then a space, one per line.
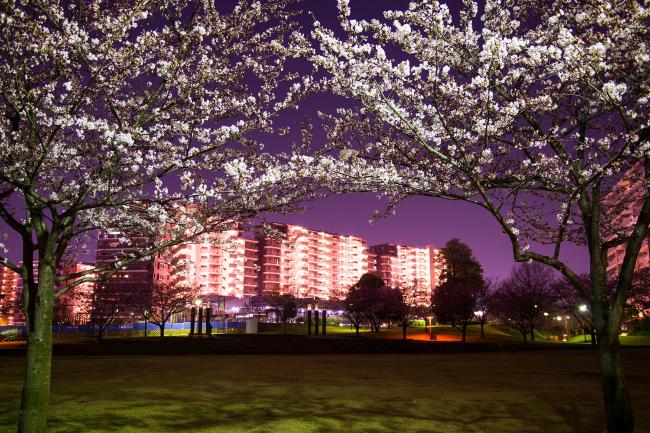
354, 308
285, 307
484, 304
460, 262
157, 303
570, 302
412, 303
106, 305
457, 298
521, 299
640, 293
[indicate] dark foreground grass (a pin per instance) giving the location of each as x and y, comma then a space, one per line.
547, 391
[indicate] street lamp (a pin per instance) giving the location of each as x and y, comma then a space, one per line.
582, 308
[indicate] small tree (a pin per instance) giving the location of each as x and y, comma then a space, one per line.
456, 300
106, 305
354, 308
158, 302
285, 307
412, 302
521, 299
458, 297
368, 301
484, 304
572, 303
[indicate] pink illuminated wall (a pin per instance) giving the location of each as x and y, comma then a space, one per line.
310, 263
624, 204
405, 265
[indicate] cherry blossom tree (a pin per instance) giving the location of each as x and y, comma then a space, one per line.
531, 111
139, 117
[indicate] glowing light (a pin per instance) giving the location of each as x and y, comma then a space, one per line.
582, 308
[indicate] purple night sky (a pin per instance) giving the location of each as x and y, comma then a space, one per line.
419, 221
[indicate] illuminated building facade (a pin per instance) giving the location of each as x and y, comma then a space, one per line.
404, 265
73, 307
222, 263
624, 204
9, 303
308, 263
113, 245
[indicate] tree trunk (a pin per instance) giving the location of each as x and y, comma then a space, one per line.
532, 334
284, 330
32, 417
482, 329
618, 408
524, 334
162, 330
356, 328
404, 332
464, 331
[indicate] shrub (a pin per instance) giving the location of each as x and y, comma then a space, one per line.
11, 335
641, 327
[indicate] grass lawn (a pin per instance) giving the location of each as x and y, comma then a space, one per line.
626, 340
500, 392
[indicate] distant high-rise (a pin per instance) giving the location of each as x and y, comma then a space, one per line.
623, 207
310, 263
301, 262
9, 304
222, 263
73, 307
404, 265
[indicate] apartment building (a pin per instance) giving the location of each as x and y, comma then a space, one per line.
405, 265
309, 263
9, 303
222, 263
623, 205
73, 307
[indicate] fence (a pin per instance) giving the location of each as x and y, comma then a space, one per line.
135, 329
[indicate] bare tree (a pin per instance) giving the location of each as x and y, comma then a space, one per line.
570, 302
521, 299
456, 300
413, 302
158, 302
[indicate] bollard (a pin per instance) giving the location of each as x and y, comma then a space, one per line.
208, 325
308, 322
192, 320
200, 321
